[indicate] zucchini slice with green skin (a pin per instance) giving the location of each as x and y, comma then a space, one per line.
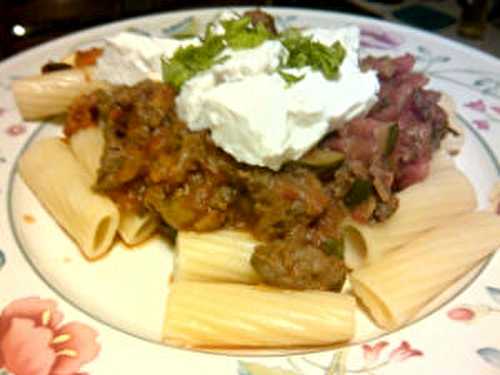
322, 158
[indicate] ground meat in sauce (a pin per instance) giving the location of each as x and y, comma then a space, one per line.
153, 162
306, 267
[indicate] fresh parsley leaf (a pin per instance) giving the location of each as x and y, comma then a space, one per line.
241, 34
190, 60
289, 78
303, 51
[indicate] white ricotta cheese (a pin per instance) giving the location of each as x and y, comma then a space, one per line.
256, 118
130, 57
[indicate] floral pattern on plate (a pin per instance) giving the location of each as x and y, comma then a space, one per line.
471, 313
33, 326
490, 114
374, 358
33, 340
377, 38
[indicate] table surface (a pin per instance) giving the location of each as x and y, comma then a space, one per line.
48, 19
490, 43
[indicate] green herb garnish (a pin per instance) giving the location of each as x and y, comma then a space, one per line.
190, 60
333, 246
359, 192
241, 34
303, 51
289, 78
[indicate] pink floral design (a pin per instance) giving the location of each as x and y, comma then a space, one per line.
469, 314
379, 39
481, 124
477, 105
462, 314
495, 109
371, 354
372, 359
16, 129
403, 352
34, 342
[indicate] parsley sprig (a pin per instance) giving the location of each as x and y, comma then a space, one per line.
241, 34
303, 51
190, 60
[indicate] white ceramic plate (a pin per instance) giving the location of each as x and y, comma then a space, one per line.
45, 283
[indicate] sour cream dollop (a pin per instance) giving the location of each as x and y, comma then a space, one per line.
253, 114
130, 57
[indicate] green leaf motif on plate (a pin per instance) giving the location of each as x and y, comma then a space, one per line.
249, 368
2, 263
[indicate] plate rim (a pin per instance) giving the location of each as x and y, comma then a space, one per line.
306, 12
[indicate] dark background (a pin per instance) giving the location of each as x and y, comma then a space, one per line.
44, 20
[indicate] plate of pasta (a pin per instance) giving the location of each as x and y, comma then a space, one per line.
250, 191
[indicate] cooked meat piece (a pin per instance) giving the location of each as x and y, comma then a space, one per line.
283, 200
131, 116
292, 265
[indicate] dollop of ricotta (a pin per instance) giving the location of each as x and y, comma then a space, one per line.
129, 57
255, 116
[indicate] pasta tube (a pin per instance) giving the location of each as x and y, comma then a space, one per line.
222, 256
443, 195
63, 186
135, 228
52, 93
88, 145
236, 315
398, 285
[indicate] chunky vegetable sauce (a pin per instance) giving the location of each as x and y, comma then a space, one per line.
153, 163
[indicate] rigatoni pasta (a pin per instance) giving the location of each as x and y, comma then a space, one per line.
398, 285
234, 315
443, 195
87, 144
135, 228
64, 188
52, 93
222, 256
